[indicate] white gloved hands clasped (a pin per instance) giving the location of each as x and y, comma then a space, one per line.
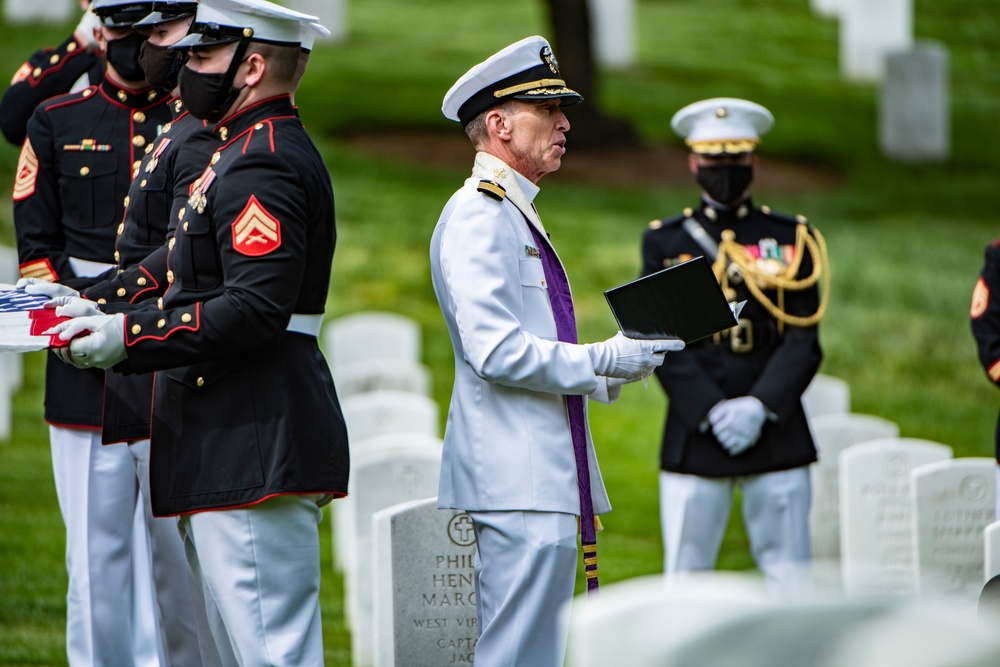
630, 359
73, 306
103, 347
44, 287
737, 423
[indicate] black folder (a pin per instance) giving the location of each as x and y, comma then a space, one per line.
684, 301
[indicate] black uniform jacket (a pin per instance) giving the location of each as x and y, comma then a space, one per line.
72, 177
47, 73
776, 370
242, 408
985, 318
170, 165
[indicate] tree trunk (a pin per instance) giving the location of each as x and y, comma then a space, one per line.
573, 47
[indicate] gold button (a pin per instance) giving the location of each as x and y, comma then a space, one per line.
127, 200
185, 318
142, 184
166, 128
84, 171
215, 156
259, 126
118, 256
200, 382
88, 92
139, 117
248, 32
135, 167
149, 149
70, 47
54, 59
151, 95
122, 96
138, 141
121, 291
121, 228
102, 301
35, 72
180, 213
170, 243
161, 323
159, 303
170, 277
141, 281
185, 225
136, 328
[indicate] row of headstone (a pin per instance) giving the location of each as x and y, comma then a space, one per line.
726, 619
11, 364
393, 426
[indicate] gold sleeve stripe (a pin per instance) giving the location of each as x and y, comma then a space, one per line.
27, 172
41, 269
994, 371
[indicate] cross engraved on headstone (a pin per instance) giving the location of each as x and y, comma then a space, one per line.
461, 530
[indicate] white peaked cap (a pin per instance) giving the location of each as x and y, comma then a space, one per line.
221, 21
722, 125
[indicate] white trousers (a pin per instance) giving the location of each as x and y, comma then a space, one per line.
525, 570
694, 513
259, 569
109, 609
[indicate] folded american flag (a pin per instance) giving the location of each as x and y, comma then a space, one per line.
23, 318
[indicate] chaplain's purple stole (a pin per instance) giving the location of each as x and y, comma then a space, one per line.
562, 308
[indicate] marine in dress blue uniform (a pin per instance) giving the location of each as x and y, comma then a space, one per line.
735, 414
248, 440
517, 454
74, 170
984, 316
72, 66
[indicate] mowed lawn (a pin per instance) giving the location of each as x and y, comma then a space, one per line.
905, 240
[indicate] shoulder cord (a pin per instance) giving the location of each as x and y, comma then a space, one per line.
757, 281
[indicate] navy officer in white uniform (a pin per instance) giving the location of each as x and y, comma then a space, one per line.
517, 450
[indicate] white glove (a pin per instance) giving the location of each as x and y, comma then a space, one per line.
103, 347
628, 358
737, 423
73, 306
44, 287
85, 28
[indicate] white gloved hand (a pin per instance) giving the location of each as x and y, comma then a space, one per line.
44, 287
737, 423
73, 306
85, 28
628, 358
103, 347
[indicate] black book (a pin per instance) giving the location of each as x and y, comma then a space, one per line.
684, 301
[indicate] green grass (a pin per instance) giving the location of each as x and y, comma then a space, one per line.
905, 240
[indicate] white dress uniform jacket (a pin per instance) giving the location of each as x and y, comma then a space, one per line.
507, 443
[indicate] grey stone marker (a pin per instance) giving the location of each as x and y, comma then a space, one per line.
425, 599
870, 30
826, 395
953, 501
368, 375
876, 530
376, 412
33, 11
833, 433
914, 118
991, 551
398, 468
826, 8
331, 13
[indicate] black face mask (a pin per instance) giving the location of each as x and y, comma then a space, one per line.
161, 64
725, 183
207, 96
123, 54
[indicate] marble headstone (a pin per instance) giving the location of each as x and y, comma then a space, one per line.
991, 552
914, 118
953, 501
33, 11
826, 395
376, 412
613, 26
399, 468
371, 335
876, 530
331, 13
869, 31
358, 377
424, 591
833, 433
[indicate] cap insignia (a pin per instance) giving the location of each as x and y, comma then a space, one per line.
549, 59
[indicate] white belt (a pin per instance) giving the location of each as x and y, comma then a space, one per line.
305, 324
88, 269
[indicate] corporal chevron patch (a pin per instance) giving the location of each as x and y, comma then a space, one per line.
27, 172
256, 232
22, 73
